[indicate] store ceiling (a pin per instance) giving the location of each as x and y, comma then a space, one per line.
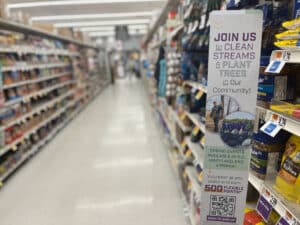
91, 14
89, 8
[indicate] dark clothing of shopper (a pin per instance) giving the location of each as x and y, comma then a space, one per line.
215, 114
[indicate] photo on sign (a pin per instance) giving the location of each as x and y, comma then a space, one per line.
218, 107
237, 129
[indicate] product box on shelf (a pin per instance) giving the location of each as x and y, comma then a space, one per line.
3, 11
67, 32
44, 26
78, 35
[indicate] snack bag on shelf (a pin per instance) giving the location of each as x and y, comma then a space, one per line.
288, 179
287, 43
252, 217
292, 24
289, 35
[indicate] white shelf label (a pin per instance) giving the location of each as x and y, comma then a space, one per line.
274, 125
265, 204
275, 66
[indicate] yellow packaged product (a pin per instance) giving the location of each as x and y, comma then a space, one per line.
292, 24
287, 43
285, 108
289, 34
288, 178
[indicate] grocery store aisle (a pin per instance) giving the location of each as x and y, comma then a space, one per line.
108, 167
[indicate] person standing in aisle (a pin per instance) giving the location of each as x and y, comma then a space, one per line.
216, 113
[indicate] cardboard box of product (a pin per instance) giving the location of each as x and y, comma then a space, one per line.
67, 32
78, 35
44, 26
3, 12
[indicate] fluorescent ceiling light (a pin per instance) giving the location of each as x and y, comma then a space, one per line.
90, 16
103, 23
137, 33
101, 28
108, 33
101, 34
99, 41
98, 29
71, 2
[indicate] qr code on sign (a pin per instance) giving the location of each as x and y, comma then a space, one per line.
222, 206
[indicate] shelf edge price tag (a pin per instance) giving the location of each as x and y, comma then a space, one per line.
196, 130
199, 94
275, 66
183, 116
265, 204
274, 125
288, 219
282, 221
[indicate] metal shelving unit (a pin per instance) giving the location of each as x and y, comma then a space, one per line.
25, 29
49, 137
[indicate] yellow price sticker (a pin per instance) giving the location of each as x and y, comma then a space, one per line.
190, 185
188, 153
199, 94
200, 177
202, 141
14, 148
196, 130
183, 144
183, 116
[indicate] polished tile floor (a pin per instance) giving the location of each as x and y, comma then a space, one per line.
108, 167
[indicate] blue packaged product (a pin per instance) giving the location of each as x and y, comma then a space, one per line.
296, 10
266, 154
268, 87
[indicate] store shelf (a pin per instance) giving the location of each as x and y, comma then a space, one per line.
283, 206
26, 29
38, 51
197, 150
36, 128
196, 85
49, 137
170, 4
176, 31
288, 56
191, 173
158, 43
194, 118
292, 125
31, 67
38, 93
182, 126
38, 110
44, 78
32, 152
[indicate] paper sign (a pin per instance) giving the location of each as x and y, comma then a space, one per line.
234, 61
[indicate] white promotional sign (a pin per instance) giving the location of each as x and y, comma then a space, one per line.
234, 60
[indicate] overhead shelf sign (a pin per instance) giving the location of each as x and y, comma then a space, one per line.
234, 54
